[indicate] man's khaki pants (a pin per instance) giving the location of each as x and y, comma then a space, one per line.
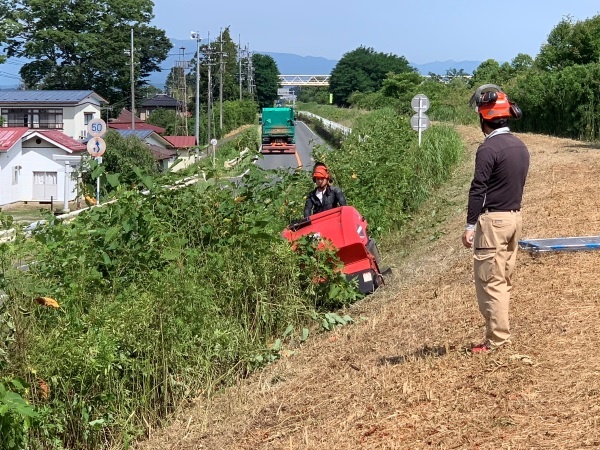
495, 253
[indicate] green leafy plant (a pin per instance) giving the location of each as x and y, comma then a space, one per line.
15, 415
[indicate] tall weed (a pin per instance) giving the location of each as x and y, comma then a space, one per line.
383, 171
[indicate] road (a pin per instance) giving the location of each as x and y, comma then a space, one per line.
305, 141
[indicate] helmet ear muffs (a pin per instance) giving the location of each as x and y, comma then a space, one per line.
515, 111
488, 97
483, 94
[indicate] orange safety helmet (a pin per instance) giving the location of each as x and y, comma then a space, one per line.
491, 103
320, 172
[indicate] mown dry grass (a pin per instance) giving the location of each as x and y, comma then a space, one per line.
400, 377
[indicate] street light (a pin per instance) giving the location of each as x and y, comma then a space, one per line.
195, 35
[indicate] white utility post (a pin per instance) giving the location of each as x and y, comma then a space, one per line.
70, 161
66, 193
96, 146
419, 122
213, 142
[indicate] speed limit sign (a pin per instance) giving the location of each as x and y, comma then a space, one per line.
96, 127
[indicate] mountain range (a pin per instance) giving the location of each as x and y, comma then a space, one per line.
287, 63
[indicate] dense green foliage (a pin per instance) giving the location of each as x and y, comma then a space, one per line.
162, 297
310, 94
80, 45
164, 118
5, 18
384, 173
363, 70
15, 414
266, 76
126, 160
235, 114
563, 103
571, 43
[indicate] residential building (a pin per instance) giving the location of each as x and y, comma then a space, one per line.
124, 122
67, 111
34, 165
159, 101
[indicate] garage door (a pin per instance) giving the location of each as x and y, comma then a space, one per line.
44, 186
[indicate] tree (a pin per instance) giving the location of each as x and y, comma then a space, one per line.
570, 43
164, 118
522, 62
127, 154
363, 70
489, 71
8, 24
318, 94
82, 44
266, 76
402, 87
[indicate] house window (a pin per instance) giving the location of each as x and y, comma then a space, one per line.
43, 118
87, 118
15, 174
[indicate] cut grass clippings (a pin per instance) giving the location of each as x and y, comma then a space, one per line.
400, 377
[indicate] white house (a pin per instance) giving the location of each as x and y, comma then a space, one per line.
68, 111
33, 167
39, 142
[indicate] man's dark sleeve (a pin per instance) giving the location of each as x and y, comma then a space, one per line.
484, 163
308, 206
340, 197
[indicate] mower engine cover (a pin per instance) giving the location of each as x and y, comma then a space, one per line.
347, 231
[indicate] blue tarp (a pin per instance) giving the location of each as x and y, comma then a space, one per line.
561, 244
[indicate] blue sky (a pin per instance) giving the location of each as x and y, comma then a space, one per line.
421, 30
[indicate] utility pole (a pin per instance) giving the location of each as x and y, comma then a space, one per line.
250, 71
221, 83
240, 63
182, 65
196, 35
132, 86
209, 96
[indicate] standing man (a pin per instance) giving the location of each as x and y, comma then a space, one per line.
494, 212
324, 196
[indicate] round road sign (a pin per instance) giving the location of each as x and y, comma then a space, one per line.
96, 146
96, 127
420, 103
213, 142
419, 122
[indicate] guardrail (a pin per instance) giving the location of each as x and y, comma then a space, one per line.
327, 123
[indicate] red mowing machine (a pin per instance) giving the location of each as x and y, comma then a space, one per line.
347, 231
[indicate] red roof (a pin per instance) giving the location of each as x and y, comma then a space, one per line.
181, 141
10, 136
123, 122
62, 139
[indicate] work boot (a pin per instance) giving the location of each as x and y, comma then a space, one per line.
482, 348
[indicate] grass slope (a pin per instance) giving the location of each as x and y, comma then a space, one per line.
400, 378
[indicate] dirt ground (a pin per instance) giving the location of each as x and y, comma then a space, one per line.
400, 376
